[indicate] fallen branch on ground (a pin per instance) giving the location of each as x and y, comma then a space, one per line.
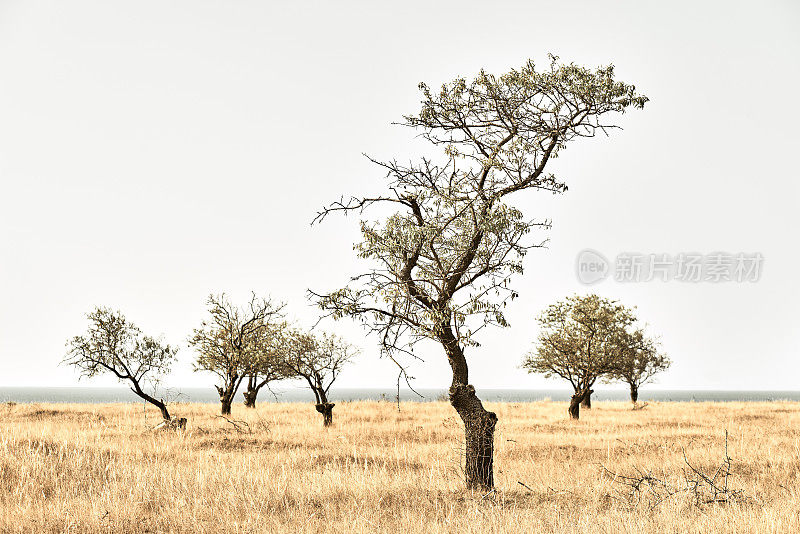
242, 427
650, 489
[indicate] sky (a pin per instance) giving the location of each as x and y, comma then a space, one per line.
154, 152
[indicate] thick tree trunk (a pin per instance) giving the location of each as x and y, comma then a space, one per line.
326, 409
587, 400
250, 398
576, 401
478, 436
226, 398
634, 393
575, 406
479, 423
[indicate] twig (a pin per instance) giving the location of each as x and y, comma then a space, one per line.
524, 485
240, 426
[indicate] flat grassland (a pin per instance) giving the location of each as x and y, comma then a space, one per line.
78, 468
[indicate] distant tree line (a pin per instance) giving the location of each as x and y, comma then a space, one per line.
582, 339
252, 346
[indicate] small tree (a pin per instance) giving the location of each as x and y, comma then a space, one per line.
318, 360
578, 342
638, 361
114, 345
228, 344
446, 251
266, 362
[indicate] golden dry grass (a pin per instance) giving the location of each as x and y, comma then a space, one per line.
76, 468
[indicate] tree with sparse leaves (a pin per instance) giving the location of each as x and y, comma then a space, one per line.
317, 359
228, 345
113, 345
639, 360
579, 341
445, 254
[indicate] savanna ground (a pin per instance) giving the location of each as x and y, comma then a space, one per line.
75, 468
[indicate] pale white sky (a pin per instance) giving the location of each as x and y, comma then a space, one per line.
152, 152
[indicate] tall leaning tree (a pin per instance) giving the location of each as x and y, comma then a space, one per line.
447, 240
579, 341
227, 344
113, 345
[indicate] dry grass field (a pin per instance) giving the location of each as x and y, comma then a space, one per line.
79, 468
